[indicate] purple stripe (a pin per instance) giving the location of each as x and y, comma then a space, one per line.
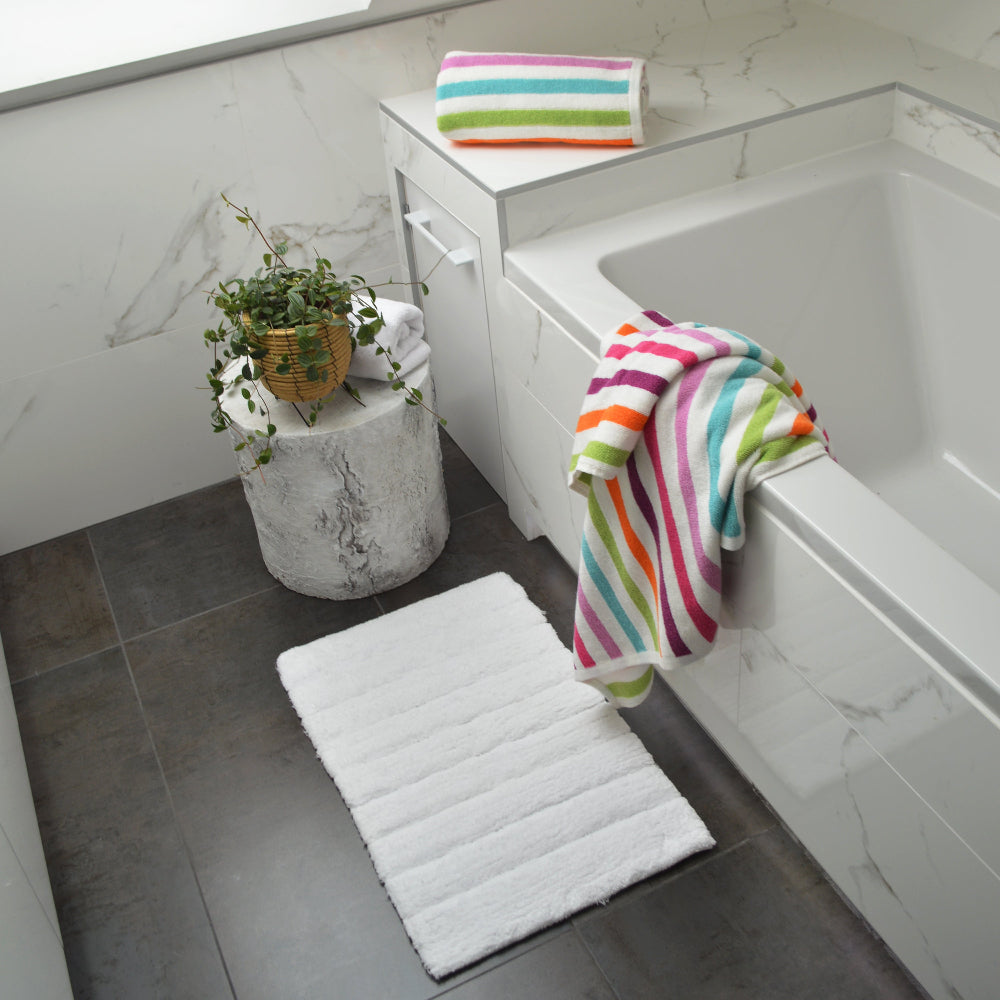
677, 645
595, 625
686, 389
658, 318
521, 59
629, 376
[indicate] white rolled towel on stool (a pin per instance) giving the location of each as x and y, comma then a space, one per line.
402, 335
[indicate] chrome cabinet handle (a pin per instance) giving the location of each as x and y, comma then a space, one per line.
419, 221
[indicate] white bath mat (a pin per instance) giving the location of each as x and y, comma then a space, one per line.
496, 794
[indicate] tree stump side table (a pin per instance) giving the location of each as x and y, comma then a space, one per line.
356, 504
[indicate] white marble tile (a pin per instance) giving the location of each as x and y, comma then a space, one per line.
967, 27
88, 440
117, 214
18, 826
31, 956
536, 460
932, 899
948, 136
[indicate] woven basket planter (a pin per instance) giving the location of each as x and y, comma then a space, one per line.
295, 386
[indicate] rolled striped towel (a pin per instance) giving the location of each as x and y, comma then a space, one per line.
520, 97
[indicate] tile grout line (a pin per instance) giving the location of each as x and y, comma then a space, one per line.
593, 958
159, 764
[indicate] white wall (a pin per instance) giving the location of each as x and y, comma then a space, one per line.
969, 28
113, 231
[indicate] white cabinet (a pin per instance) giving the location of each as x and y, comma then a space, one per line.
508, 379
456, 326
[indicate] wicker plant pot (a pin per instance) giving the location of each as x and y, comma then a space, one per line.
294, 386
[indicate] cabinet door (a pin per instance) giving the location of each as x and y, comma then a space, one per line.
457, 328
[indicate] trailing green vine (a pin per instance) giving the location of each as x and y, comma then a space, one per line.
279, 296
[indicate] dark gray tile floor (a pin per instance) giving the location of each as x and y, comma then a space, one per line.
197, 848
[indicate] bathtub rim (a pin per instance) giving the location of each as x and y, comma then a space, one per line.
564, 276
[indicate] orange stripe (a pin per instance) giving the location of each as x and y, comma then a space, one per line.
801, 426
579, 142
797, 389
625, 329
635, 545
622, 415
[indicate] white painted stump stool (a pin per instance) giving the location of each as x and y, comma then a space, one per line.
356, 504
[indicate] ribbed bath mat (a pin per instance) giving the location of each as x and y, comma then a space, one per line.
496, 794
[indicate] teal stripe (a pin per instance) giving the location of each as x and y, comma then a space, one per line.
608, 537
607, 592
478, 88
723, 518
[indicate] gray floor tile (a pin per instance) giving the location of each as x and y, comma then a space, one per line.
726, 802
52, 605
180, 558
758, 922
293, 896
487, 542
560, 969
253, 851
467, 488
130, 910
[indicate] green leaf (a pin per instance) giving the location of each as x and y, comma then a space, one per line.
424, 288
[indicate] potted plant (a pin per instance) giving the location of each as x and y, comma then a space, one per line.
292, 329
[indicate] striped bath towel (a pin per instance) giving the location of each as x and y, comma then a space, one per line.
679, 422
519, 97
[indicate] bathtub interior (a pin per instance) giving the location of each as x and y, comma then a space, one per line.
869, 275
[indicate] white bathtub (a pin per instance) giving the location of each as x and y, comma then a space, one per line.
859, 684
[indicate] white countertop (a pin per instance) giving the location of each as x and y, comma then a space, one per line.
719, 76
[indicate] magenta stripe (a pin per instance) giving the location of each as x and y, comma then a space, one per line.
639, 380
658, 318
522, 59
582, 654
677, 645
686, 389
595, 625
700, 618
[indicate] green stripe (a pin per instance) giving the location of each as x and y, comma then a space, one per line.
774, 450
606, 453
607, 537
516, 118
626, 690
754, 433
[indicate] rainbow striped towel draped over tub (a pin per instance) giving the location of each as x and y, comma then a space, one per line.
679, 422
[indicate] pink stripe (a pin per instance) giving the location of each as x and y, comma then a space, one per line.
521, 59
584, 658
685, 357
701, 619
710, 572
596, 626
